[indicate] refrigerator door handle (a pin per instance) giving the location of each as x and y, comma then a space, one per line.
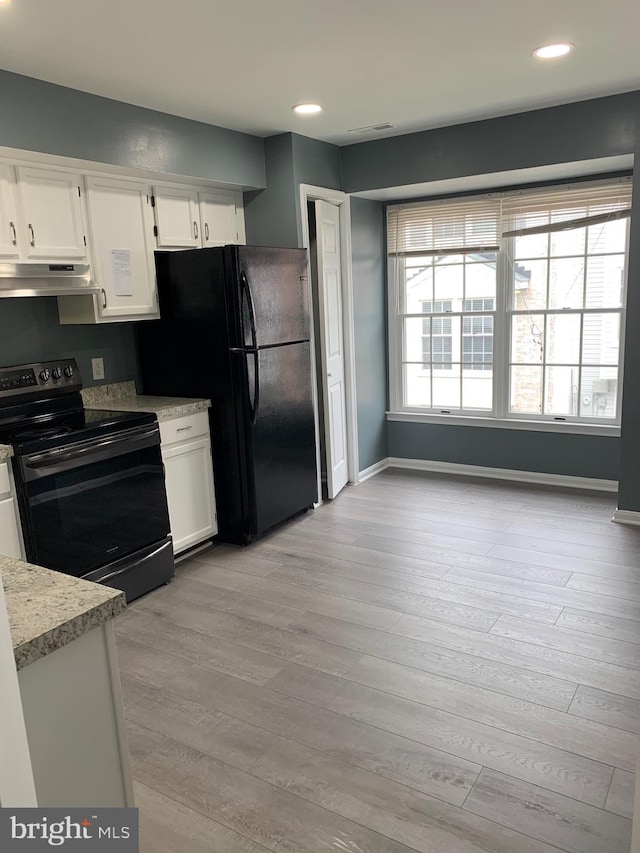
246, 290
255, 403
256, 386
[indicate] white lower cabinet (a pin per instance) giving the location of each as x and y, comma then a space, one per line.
73, 715
10, 541
186, 452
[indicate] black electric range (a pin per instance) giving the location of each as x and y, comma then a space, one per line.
90, 484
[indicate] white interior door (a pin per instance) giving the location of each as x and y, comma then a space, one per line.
16, 776
332, 345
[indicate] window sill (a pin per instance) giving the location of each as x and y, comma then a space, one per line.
611, 430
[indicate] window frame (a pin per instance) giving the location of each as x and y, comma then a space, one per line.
499, 416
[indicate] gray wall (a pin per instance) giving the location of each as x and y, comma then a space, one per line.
601, 127
29, 331
273, 216
367, 234
629, 490
39, 116
591, 456
316, 163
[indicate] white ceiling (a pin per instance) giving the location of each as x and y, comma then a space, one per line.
243, 63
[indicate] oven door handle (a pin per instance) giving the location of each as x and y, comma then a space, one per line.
43, 464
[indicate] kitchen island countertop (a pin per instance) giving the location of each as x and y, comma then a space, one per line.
122, 397
47, 610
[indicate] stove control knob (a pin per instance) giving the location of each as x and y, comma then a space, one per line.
68, 371
45, 374
57, 373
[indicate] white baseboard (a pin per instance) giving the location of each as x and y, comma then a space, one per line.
564, 480
626, 516
372, 470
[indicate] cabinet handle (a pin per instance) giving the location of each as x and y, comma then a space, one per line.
33, 235
104, 297
184, 429
206, 231
14, 236
195, 229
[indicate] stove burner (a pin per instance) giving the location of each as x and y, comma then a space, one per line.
43, 432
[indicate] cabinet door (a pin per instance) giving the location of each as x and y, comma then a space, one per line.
9, 538
222, 218
177, 217
52, 214
8, 214
190, 493
121, 222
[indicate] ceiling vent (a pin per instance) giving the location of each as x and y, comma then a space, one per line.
372, 128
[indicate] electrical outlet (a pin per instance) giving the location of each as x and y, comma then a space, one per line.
97, 368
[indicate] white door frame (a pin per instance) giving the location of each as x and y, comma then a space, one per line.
16, 776
342, 200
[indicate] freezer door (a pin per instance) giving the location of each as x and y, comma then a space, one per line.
281, 442
272, 288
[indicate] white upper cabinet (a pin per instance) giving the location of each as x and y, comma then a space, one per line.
51, 207
222, 218
177, 218
121, 224
8, 214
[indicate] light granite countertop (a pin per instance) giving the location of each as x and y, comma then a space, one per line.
122, 397
6, 452
48, 610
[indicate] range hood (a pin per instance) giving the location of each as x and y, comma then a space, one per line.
46, 280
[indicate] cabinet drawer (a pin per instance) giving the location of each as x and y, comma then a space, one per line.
185, 428
5, 485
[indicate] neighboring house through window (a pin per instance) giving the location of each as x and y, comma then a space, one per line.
437, 347
477, 340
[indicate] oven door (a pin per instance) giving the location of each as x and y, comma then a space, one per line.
90, 503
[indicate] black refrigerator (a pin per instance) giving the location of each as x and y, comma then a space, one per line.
235, 328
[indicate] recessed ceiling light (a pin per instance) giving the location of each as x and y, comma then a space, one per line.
307, 109
553, 51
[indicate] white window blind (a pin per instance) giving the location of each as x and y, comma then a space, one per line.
452, 226
477, 224
565, 208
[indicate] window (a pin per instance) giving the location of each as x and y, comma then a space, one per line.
510, 305
436, 336
477, 340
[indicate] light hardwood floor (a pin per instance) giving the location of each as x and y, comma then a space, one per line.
428, 663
